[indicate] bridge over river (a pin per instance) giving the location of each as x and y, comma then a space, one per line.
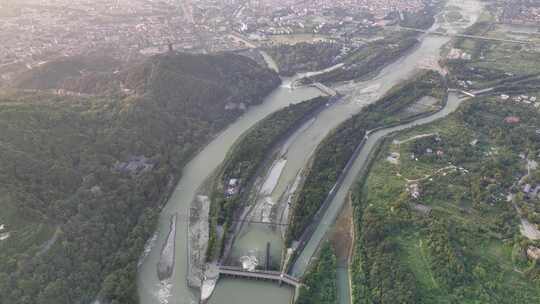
452, 35
318, 85
275, 276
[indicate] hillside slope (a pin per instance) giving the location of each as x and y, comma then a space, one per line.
83, 178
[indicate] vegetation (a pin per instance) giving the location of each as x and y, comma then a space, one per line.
90, 74
248, 156
439, 216
458, 241
370, 58
423, 19
305, 57
320, 283
83, 178
336, 149
377, 274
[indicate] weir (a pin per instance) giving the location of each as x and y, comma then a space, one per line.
272, 276
325, 89
275, 276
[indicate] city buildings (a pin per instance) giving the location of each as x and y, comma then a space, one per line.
37, 31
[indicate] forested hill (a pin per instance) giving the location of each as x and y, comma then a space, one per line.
82, 178
86, 74
99, 74
225, 79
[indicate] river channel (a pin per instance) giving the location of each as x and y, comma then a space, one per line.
300, 148
175, 289
253, 238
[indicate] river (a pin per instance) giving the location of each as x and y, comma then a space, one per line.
175, 290
253, 238
359, 94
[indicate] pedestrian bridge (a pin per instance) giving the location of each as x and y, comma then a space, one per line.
470, 94
274, 276
325, 89
320, 86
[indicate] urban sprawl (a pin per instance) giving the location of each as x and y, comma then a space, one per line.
37, 31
